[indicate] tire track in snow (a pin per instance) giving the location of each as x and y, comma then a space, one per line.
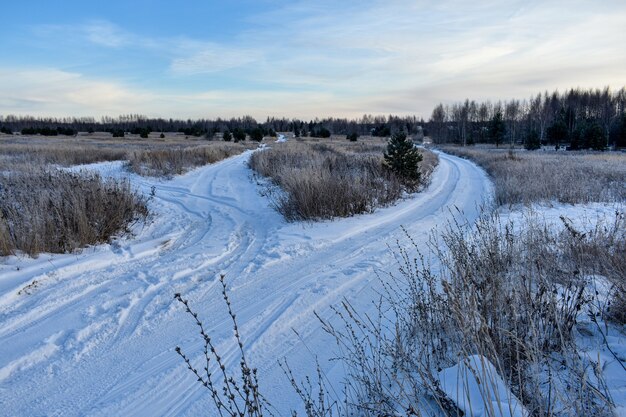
128, 324
252, 309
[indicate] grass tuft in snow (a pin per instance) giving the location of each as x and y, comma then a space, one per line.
58, 211
323, 180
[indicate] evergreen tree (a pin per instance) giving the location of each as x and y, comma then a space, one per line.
381, 131
239, 134
403, 158
593, 136
577, 140
620, 137
558, 132
497, 129
532, 141
256, 134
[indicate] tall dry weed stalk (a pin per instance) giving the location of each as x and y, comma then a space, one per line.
511, 295
232, 395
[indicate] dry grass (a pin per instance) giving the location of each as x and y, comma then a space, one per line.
44, 209
544, 176
514, 296
47, 210
153, 156
174, 161
323, 179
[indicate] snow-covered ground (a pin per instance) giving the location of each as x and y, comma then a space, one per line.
94, 333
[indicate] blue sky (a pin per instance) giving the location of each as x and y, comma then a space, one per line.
195, 58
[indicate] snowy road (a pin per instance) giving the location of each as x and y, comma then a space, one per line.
94, 333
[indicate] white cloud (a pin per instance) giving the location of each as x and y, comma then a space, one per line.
106, 34
61, 93
57, 93
375, 56
204, 57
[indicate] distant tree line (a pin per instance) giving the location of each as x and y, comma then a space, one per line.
579, 119
231, 129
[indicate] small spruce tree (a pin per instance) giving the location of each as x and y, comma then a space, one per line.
497, 129
256, 134
532, 141
239, 134
593, 137
557, 132
403, 158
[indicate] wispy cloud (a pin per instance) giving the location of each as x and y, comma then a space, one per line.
55, 92
184, 56
348, 58
208, 57
106, 34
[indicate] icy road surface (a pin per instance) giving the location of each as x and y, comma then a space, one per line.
95, 333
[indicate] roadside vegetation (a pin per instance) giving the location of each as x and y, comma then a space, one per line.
510, 305
175, 161
522, 177
510, 322
44, 208
323, 179
48, 210
155, 156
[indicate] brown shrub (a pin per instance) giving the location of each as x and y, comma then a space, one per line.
58, 211
326, 180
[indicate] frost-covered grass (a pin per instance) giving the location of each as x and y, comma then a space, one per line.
45, 209
48, 210
528, 177
153, 156
325, 179
174, 161
526, 310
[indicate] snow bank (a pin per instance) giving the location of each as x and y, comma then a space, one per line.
476, 388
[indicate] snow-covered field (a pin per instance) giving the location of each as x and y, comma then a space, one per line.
94, 333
